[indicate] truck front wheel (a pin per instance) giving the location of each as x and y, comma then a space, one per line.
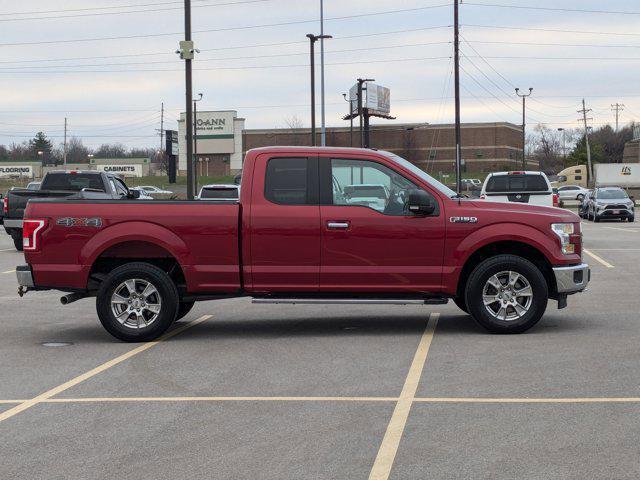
137, 302
507, 294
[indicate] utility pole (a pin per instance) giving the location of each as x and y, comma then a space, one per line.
161, 126
187, 53
64, 148
617, 107
524, 124
195, 144
456, 61
584, 118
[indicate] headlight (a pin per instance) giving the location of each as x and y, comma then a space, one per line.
564, 232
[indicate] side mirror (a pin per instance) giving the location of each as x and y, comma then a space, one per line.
420, 203
135, 194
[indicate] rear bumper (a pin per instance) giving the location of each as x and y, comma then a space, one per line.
24, 275
572, 279
12, 223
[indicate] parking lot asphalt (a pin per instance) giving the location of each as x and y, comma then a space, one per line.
336, 392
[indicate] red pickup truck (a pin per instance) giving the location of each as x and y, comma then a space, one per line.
312, 225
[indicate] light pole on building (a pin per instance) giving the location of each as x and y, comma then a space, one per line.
524, 107
344, 95
312, 62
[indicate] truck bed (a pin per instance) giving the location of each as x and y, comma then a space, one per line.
202, 237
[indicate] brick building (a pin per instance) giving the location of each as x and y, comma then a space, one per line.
485, 146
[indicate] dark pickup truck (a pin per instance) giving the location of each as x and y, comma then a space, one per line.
88, 185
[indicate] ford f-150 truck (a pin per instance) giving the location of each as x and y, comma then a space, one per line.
295, 236
88, 184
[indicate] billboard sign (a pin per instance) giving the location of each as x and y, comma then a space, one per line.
213, 125
16, 171
171, 142
124, 170
374, 97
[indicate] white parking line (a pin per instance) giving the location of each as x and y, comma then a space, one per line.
10, 271
9, 250
597, 258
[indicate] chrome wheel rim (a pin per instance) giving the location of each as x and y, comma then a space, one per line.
507, 296
136, 303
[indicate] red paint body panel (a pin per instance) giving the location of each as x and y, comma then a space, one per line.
259, 247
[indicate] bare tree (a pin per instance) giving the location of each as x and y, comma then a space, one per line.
76, 151
294, 124
111, 150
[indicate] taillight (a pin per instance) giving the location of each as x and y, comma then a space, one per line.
556, 200
482, 197
31, 232
5, 205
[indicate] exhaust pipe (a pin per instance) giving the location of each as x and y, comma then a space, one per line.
72, 297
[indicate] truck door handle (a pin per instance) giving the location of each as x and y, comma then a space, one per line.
337, 225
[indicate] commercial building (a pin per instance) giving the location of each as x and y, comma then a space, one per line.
218, 146
485, 146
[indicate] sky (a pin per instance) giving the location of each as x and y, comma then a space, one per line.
60, 59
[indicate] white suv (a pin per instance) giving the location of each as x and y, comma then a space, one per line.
522, 187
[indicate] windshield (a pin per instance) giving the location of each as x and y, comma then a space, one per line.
72, 181
421, 174
231, 193
610, 194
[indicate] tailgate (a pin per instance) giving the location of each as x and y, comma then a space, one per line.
18, 199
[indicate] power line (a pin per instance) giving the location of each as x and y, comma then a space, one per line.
128, 11
551, 9
230, 58
589, 32
225, 29
503, 43
245, 67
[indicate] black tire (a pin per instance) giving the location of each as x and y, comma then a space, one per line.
461, 304
184, 308
17, 242
495, 265
580, 197
166, 290
631, 219
596, 218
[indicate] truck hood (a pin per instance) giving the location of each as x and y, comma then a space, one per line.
518, 212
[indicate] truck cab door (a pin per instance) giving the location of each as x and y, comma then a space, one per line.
284, 226
370, 241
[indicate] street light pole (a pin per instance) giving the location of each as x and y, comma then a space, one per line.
323, 132
312, 40
564, 145
524, 107
344, 95
361, 81
456, 62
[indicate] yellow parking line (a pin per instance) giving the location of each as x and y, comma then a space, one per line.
528, 400
623, 229
10, 271
597, 258
219, 399
389, 447
101, 368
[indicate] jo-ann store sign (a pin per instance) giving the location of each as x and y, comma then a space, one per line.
16, 171
124, 170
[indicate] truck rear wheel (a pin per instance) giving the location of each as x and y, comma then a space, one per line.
461, 304
507, 294
17, 241
137, 302
184, 308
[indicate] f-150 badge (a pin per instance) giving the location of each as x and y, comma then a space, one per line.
79, 222
463, 219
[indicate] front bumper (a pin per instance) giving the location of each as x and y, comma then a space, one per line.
572, 279
24, 275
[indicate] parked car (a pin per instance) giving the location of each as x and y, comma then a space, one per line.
532, 188
34, 185
610, 203
237, 179
219, 192
584, 204
88, 184
572, 192
370, 195
155, 192
472, 182
291, 239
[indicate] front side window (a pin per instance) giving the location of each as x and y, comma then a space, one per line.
121, 189
369, 184
291, 181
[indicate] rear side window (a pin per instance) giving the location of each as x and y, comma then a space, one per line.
517, 183
226, 193
292, 181
72, 181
